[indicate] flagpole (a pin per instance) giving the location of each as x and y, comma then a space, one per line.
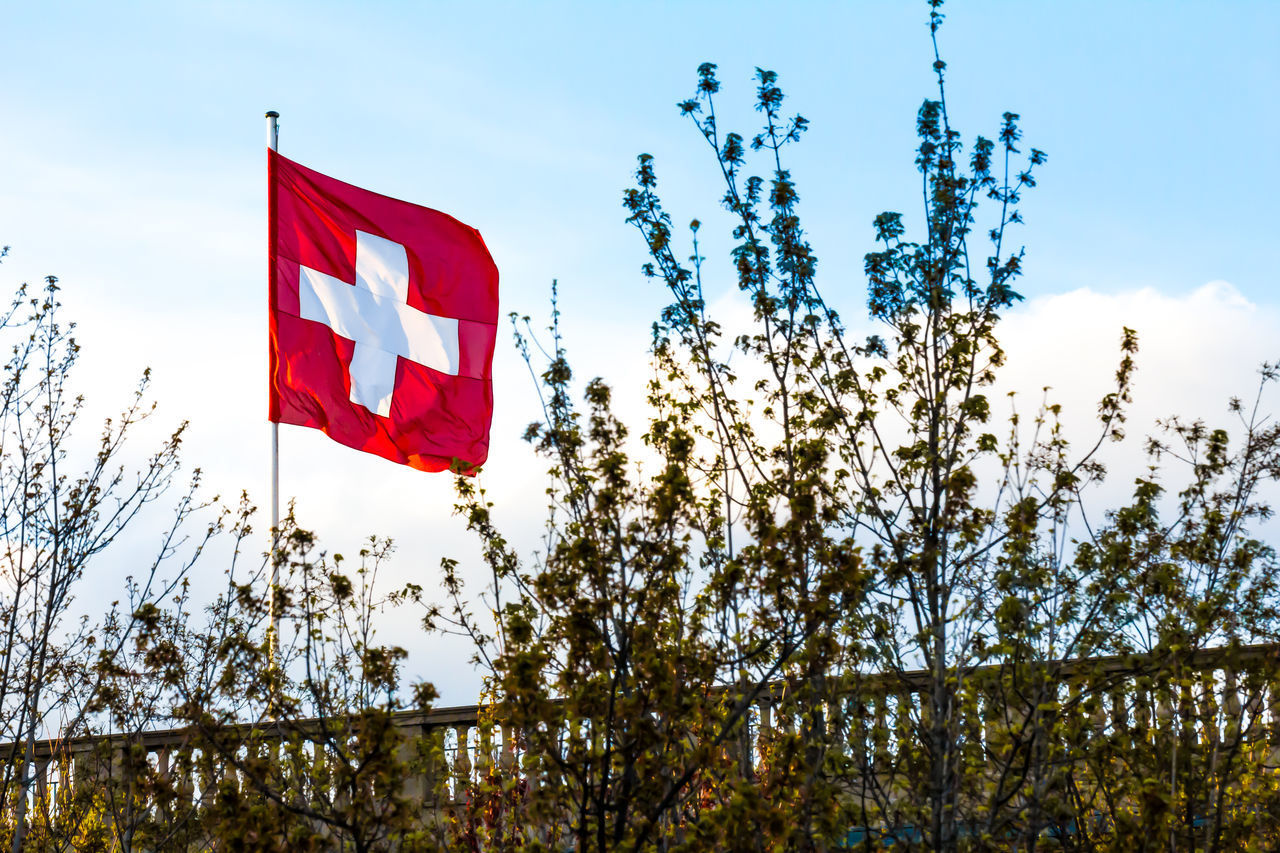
273, 142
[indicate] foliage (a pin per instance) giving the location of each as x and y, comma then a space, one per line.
58, 512
306, 739
828, 599
834, 533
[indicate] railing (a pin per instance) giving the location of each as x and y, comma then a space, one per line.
1225, 697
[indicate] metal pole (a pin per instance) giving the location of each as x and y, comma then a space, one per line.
273, 142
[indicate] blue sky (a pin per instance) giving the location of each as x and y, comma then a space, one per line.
132, 166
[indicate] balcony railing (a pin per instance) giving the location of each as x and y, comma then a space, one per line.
1230, 698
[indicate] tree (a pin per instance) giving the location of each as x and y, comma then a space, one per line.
833, 532
300, 749
57, 514
828, 600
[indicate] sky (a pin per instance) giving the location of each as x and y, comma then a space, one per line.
132, 166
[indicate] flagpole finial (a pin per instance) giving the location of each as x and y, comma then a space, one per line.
273, 130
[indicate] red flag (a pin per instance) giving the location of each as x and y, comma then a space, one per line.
383, 321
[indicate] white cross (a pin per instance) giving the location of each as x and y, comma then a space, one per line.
375, 314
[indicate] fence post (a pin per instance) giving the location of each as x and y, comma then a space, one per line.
1231, 705
462, 763
410, 753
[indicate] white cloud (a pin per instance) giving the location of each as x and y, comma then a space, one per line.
1196, 351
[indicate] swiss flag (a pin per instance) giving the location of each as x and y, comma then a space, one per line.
383, 321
